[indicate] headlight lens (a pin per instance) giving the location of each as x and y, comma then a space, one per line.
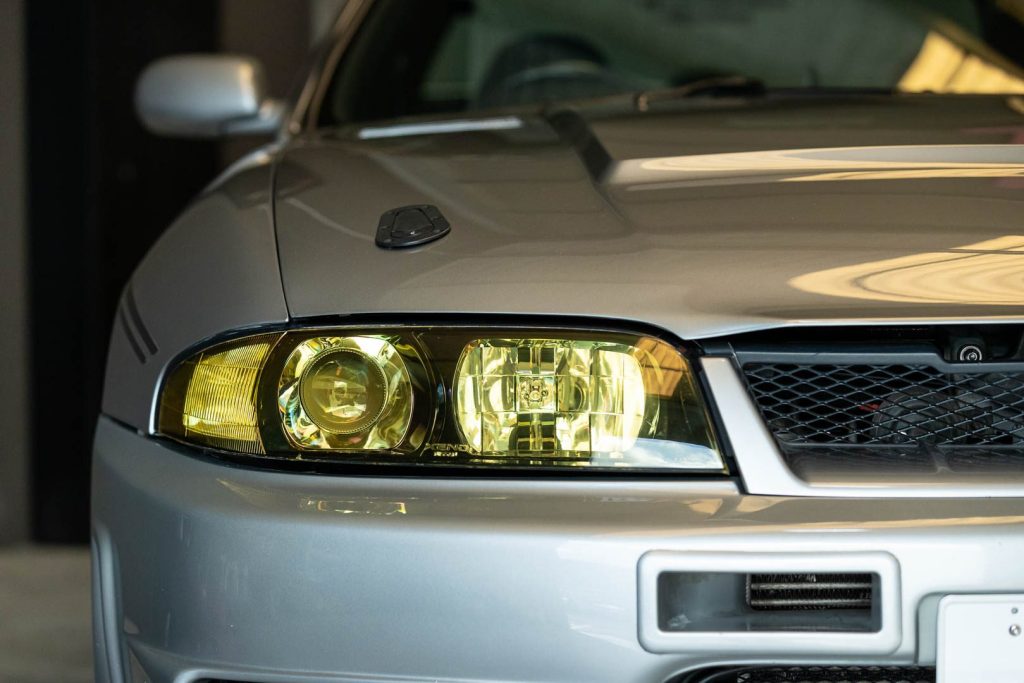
214, 396
446, 396
345, 393
538, 397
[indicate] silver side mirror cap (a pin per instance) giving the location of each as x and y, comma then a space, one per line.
206, 96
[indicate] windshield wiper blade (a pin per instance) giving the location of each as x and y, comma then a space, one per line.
705, 86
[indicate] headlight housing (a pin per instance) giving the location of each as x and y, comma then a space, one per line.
455, 396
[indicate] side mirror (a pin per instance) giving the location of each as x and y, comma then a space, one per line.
205, 96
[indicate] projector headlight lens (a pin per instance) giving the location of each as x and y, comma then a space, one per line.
345, 393
477, 397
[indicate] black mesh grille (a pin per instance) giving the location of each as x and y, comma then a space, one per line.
839, 674
908, 459
888, 405
776, 592
902, 418
816, 674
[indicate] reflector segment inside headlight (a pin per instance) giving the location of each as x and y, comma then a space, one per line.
545, 396
480, 397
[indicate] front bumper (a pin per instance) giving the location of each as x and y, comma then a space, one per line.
205, 570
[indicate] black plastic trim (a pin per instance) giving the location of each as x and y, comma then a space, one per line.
406, 471
908, 356
126, 328
140, 327
431, 226
864, 673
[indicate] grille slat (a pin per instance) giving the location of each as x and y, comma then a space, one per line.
811, 603
824, 585
809, 591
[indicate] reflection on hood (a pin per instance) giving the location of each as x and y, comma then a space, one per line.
987, 273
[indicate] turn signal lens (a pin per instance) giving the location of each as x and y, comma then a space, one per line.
452, 396
218, 407
345, 393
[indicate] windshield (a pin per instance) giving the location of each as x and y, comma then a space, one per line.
437, 57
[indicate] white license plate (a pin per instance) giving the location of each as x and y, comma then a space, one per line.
981, 639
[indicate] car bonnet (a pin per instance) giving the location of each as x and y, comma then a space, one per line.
703, 217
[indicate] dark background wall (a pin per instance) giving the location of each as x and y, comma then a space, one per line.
99, 191
13, 281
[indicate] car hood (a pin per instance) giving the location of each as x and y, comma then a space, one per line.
706, 217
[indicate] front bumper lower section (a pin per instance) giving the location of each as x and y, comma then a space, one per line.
207, 571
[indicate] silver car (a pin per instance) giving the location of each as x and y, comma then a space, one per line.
591, 340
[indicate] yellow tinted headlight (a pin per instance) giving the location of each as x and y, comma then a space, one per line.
542, 396
446, 396
211, 400
345, 393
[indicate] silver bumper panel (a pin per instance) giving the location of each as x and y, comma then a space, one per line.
209, 570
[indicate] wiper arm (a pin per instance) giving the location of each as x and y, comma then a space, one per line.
704, 86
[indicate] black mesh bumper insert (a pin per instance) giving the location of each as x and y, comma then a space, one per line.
817, 674
851, 674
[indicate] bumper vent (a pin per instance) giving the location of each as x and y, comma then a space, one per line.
816, 674
780, 592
